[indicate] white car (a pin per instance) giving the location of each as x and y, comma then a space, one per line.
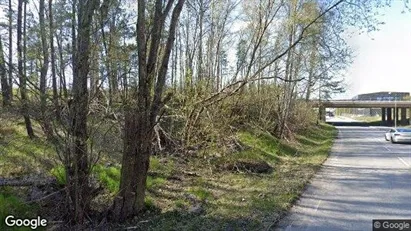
399, 135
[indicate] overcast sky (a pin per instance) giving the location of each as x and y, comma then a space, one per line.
383, 60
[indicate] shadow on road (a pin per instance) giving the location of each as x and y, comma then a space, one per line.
360, 123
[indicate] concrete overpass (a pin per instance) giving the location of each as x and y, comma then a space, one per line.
387, 108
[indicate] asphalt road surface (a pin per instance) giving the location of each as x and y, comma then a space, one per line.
340, 119
364, 178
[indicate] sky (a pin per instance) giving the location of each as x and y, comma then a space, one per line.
383, 58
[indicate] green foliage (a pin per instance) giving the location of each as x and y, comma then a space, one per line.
149, 203
153, 182
201, 193
59, 172
263, 142
108, 176
155, 163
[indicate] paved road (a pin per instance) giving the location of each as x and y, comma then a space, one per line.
364, 178
340, 119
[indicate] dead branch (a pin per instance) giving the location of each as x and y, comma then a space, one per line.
25, 182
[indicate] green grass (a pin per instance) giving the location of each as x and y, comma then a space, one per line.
263, 145
20, 155
60, 174
153, 182
231, 200
110, 176
12, 205
364, 118
294, 163
248, 201
201, 193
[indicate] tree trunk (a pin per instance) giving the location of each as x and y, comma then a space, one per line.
311, 71
53, 61
5, 89
10, 72
22, 77
200, 43
43, 72
78, 167
112, 60
140, 120
94, 64
62, 76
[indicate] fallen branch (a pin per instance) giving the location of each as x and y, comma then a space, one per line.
45, 197
25, 182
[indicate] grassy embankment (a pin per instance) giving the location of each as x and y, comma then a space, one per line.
186, 193
371, 121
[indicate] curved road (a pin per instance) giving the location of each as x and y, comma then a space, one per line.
364, 178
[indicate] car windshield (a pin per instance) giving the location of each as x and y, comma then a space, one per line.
404, 130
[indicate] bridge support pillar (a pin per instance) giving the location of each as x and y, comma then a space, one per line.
409, 115
322, 113
383, 114
397, 116
404, 116
389, 115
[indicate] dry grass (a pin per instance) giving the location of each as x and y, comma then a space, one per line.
193, 192
241, 200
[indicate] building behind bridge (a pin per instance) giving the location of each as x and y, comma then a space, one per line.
378, 96
383, 96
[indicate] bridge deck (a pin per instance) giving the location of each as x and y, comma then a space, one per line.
363, 104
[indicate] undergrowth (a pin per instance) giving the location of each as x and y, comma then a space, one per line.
229, 199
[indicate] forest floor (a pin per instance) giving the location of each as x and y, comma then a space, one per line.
249, 189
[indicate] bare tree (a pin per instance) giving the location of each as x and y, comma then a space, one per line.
53, 59
77, 158
141, 118
10, 66
22, 77
44, 70
4, 83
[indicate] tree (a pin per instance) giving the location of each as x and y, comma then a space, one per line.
22, 77
10, 66
77, 165
44, 70
53, 60
4, 82
140, 118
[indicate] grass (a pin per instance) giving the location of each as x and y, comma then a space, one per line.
230, 200
109, 177
372, 121
60, 174
241, 200
201, 193
20, 155
364, 118
13, 205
